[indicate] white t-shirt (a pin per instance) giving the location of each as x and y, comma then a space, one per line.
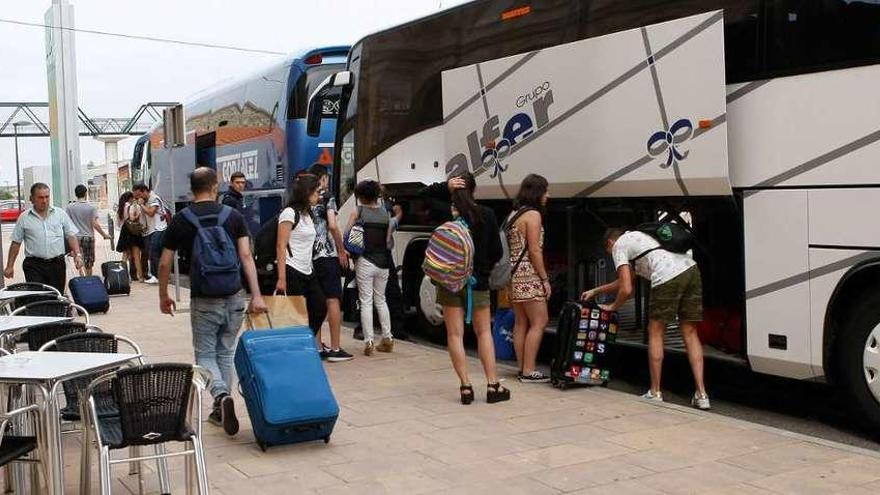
657, 266
155, 223
301, 241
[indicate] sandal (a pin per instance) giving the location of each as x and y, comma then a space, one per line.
467, 394
496, 393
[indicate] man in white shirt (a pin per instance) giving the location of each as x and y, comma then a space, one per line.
154, 211
42, 229
676, 293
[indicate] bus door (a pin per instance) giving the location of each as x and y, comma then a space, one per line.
639, 113
206, 150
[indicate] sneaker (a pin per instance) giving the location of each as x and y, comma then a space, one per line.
227, 414
650, 396
338, 356
534, 377
151, 281
216, 417
369, 348
701, 401
358, 333
324, 352
387, 345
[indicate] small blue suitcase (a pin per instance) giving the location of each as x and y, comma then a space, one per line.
90, 293
285, 387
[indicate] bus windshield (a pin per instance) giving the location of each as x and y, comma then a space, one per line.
299, 99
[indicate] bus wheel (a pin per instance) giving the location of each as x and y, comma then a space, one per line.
430, 313
859, 357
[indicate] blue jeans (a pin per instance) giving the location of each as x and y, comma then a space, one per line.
215, 324
153, 245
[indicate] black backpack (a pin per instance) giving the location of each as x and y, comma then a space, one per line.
673, 237
265, 241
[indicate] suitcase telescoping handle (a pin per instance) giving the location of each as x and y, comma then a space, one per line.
250, 323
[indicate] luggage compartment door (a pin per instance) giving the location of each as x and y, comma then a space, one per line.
630, 114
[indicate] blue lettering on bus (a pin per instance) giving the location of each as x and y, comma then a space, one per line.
487, 150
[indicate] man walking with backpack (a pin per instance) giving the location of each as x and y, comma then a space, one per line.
215, 235
676, 292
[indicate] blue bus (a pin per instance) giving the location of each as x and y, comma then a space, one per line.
254, 125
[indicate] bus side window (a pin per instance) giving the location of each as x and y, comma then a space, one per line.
809, 35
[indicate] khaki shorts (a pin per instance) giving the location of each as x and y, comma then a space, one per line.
87, 247
681, 298
459, 299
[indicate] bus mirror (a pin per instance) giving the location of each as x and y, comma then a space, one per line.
342, 79
314, 116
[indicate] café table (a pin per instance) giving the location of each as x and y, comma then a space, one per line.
20, 322
46, 371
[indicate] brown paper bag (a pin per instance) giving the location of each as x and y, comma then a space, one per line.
284, 311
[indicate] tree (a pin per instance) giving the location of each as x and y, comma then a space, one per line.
6, 195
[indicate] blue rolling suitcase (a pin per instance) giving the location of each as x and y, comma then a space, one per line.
90, 293
285, 387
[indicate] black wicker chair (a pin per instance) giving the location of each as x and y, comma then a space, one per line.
52, 294
158, 403
59, 308
92, 341
37, 337
32, 286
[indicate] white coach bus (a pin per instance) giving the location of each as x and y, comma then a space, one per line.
757, 121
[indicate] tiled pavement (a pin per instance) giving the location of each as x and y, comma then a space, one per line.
402, 430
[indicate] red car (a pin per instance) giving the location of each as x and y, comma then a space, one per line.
9, 210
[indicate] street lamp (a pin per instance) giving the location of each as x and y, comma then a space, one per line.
15, 126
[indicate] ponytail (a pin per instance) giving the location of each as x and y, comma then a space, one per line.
463, 200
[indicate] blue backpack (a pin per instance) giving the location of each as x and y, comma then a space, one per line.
215, 269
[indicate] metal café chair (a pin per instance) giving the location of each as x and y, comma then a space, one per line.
53, 295
37, 337
96, 341
58, 307
18, 447
32, 286
158, 403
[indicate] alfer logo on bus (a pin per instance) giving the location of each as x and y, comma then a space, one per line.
492, 146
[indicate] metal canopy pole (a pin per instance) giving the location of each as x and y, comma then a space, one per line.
174, 138
174, 209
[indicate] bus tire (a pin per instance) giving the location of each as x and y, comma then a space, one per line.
858, 357
429, 317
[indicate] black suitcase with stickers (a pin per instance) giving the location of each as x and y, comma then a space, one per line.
585, 340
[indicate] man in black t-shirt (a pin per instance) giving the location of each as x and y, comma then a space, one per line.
215, 320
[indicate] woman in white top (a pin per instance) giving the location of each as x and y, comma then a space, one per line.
296, 239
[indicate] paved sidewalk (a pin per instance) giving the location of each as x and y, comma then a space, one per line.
402, 430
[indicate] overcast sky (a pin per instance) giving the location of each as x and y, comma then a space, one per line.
115, 76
